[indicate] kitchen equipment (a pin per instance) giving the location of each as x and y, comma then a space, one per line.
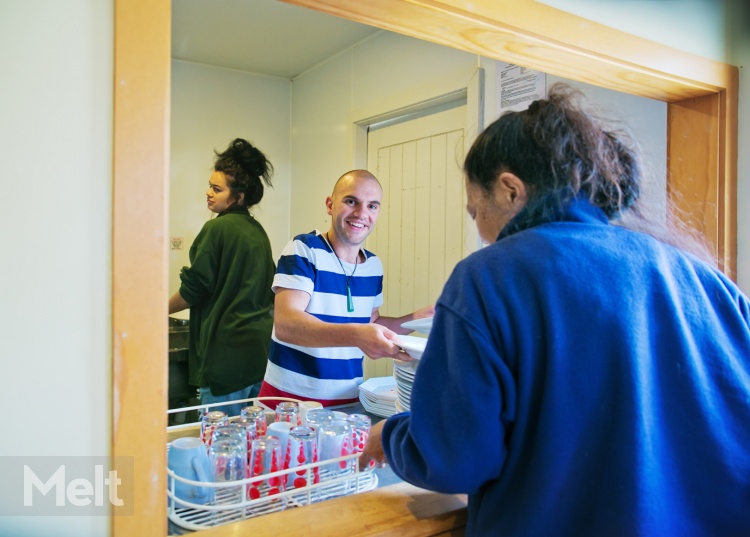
225, 506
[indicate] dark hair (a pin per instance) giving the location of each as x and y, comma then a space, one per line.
246, 169
561, 151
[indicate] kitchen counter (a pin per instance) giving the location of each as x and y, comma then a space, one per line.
400, 510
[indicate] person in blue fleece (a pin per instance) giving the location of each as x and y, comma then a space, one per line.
580, 378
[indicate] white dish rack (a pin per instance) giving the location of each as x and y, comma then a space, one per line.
230, 501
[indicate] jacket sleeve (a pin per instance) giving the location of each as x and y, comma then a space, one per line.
462, 404
199, 279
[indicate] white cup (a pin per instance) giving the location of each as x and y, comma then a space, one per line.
280, 429
188, 459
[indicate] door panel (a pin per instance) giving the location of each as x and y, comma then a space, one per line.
419, 236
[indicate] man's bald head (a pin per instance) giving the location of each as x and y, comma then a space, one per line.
354, 175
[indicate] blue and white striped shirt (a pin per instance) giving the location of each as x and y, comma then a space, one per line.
323, 373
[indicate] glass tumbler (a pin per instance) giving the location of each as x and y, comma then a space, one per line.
288, 411
228, 459
256, 414
231, 431
209, 422
265, 458
317, 416
335, 440
361, 425
302, 449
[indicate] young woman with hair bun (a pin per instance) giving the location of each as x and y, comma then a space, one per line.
228, 283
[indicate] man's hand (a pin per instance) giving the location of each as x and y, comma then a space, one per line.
377, 341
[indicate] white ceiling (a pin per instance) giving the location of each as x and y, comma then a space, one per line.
259, 36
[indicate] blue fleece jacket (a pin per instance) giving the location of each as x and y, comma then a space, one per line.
581, 379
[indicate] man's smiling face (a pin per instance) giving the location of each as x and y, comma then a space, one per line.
354, 207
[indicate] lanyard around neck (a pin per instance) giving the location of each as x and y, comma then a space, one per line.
349, 301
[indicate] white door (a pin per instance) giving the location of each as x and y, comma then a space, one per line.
420, 233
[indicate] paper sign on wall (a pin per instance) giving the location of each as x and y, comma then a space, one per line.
518, 86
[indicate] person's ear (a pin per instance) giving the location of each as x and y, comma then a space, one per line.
510, 189
241, 199
329, 205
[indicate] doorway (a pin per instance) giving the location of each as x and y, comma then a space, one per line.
420, 233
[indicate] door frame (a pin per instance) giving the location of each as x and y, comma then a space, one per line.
702, 111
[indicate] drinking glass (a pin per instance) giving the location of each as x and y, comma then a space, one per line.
256, 414
209, 422
228, 457
302, 449
288, 411
361, 425
335, 440
317, 417
231, 431
266, 458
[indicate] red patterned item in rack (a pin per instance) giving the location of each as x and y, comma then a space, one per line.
280, 429
265, 458
361, 425
302, 449
250, 429
228, 458
334, 441
318, 416
257, 414
232, 431
288, 411
209, 422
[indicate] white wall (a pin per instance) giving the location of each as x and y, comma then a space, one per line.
390, 71
55, 309
381, 74
211, 106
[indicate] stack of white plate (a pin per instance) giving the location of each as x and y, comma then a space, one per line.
378, 396
404, 372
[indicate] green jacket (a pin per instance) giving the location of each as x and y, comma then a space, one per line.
228, 286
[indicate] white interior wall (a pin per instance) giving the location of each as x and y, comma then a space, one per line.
56, 60
211, 106
381, 74
390, 71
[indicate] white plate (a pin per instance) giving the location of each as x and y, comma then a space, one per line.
379, 410
414, 346
422, 326
379, 387
404, 372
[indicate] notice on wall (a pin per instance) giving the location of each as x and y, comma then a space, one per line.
518, 86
